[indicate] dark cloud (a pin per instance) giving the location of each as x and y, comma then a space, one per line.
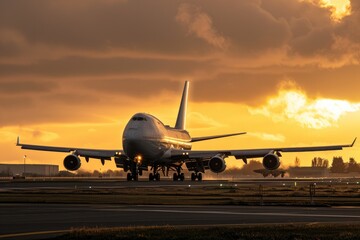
242, 88
131, 87
25, 86
63, 60
80, 66
250, 27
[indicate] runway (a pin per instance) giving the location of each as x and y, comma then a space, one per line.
48, 183
33, 221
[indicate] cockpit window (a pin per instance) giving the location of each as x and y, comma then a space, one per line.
139, 119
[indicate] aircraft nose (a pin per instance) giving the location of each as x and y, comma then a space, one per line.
134, 133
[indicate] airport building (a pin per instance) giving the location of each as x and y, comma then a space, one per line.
43, 170
302, 172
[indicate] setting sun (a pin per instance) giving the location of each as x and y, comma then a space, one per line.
77, 83
339, 8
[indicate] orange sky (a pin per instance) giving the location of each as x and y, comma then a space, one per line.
73, 73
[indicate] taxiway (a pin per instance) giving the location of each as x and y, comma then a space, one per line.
39, 220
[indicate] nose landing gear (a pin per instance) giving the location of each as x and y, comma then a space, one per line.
132, 177
136, 170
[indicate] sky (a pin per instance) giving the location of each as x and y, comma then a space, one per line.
72, 73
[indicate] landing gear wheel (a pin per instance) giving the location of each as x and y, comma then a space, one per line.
197, 176
175, 177
182, 177
129, 177
151, 177
157, 177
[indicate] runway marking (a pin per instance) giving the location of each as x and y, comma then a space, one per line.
235, 213
12, 235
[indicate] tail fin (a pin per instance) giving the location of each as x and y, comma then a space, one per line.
181, 119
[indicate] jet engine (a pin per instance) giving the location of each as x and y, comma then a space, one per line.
271, 162
217, 164
72, 162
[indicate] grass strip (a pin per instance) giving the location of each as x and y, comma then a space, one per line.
243, 232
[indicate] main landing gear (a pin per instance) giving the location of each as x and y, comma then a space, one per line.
196, 176
154, 177
178, 176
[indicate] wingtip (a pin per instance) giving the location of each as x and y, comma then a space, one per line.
18, 141
354, 142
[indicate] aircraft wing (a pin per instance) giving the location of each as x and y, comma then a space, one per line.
199, 139
83, 152
251, 153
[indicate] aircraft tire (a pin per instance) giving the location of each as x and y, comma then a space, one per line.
193, 177
182, 177
129, 177
175, 177
199, 177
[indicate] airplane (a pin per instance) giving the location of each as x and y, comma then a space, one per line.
275, 173
149, 144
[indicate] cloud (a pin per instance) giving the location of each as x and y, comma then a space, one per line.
293, 104
268, 136
339, 8
200, 24
95, 55
43, 136
9, 134
200, 121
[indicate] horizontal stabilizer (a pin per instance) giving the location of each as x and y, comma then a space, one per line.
199, 139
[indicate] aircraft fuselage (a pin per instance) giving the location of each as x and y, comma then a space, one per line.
145, 137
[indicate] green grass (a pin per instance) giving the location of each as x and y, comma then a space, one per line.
265, 232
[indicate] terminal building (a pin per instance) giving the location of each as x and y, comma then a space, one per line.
43, 170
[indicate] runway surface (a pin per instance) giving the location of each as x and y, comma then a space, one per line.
33, 221
47, 183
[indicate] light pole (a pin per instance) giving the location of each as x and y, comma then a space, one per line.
24, 165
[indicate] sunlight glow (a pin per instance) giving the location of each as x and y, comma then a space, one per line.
310, 113
339, 8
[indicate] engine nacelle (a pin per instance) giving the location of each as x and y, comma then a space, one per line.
72, 162
271, 162
217, 164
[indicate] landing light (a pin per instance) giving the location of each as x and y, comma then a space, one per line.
138, 158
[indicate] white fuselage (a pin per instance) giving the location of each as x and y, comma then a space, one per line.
147, 137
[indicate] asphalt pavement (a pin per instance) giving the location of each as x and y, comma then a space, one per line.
33, 221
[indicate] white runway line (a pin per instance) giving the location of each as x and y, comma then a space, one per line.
234, 213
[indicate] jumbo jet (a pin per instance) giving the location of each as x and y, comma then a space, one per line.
149, 145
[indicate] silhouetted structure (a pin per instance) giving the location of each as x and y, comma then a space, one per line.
10, 170
308, 172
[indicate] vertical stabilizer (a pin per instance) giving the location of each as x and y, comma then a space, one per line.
181, 119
